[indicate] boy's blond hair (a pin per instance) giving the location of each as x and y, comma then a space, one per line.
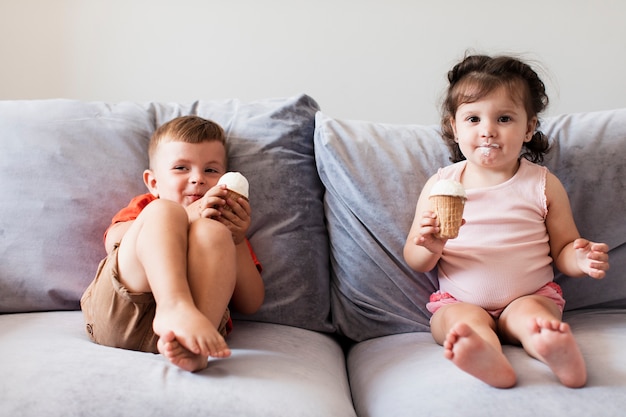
190, 129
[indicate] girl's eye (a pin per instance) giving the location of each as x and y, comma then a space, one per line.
473, 119
180, 168
211, 171
505, 119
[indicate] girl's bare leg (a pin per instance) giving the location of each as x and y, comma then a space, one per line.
467, 333
535, 322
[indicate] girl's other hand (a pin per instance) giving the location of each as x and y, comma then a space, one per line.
592, 258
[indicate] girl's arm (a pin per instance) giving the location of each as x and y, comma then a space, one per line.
572, 255
422, 249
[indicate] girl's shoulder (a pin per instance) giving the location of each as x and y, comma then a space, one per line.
451, 172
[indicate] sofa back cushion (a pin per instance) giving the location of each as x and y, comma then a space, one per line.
67, 166
588, 157
374, 173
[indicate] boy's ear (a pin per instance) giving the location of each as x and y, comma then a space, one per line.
150, 180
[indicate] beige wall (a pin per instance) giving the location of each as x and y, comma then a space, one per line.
360, 59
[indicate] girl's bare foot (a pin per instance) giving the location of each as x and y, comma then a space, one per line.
471, 353
555, 344
191, 329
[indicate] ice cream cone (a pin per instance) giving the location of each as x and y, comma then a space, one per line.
447, 200
236, 185
449, 211
233, 195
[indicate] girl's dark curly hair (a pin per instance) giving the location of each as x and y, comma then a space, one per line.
478, 75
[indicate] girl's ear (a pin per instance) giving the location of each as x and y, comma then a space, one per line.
150, 180
453, 125
530, 130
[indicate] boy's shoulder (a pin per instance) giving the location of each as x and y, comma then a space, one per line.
134, 207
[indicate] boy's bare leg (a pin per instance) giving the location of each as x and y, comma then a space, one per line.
212, 267
535, 322
470, 342
153, 258
211, 276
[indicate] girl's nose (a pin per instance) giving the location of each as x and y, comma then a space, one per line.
487, 130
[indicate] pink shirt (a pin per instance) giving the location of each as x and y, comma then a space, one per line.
502, 251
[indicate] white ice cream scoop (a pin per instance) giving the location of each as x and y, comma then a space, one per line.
236, 182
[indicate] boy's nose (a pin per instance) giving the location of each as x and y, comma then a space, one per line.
196, 179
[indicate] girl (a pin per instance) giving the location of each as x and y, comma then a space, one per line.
496, 278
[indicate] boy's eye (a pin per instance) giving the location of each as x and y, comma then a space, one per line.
505, 119
211, 170
180, 168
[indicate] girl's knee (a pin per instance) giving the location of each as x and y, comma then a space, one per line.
533, 306
449, 315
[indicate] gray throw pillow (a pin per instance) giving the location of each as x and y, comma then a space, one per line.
373, 174
68, 166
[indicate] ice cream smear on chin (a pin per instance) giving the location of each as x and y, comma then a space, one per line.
487, 147
447, 200
235, 182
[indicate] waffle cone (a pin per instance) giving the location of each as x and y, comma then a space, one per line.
232, 195
449, 210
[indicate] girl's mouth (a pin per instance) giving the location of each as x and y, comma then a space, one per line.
487, 147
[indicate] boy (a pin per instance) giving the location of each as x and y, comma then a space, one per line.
176, 259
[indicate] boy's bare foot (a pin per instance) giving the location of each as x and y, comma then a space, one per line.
191, 329
555, 344
179, 355
471, 353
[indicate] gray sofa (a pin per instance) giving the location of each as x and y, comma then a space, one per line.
344, 330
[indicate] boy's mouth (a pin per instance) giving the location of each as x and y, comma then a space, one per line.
194, 197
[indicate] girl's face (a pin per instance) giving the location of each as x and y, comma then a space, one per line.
491, 131
183, 172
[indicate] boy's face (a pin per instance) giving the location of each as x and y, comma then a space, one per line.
183, 172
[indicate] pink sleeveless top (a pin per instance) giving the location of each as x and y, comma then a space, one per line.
502, 251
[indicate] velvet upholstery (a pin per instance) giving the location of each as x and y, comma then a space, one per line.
344, 330
373, 174
57, 202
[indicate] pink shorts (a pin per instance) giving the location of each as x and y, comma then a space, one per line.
551, 290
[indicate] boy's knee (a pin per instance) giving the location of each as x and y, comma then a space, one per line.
210, 231
165, 209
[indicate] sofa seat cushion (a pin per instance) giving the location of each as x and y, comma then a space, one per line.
50, 368
406, 374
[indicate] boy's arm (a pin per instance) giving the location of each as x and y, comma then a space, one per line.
572, 255
115, 233
249, 290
